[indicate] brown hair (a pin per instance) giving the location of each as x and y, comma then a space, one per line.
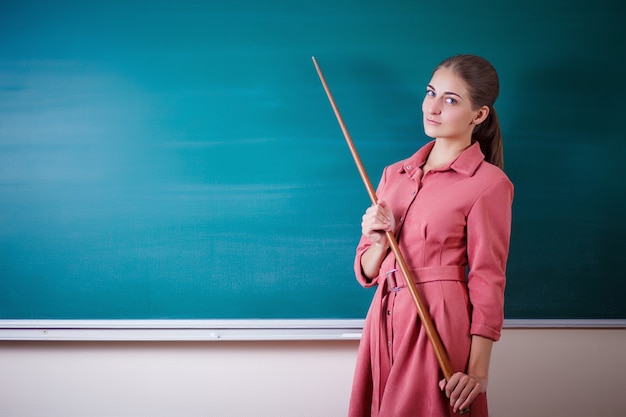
483, 85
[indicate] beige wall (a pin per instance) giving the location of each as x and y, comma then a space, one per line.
535, 372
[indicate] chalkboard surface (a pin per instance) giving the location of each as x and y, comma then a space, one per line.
179, 159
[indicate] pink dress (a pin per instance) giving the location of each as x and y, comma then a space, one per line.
453, 228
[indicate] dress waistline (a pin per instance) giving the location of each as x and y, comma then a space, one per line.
396, 282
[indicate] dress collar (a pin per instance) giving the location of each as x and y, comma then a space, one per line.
466, 163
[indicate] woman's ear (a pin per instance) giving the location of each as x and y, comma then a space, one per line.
481, 115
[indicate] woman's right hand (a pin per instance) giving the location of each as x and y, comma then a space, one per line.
377, 220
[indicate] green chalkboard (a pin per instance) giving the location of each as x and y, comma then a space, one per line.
180, 160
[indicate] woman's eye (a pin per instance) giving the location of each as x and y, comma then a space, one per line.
430, 93
450, 100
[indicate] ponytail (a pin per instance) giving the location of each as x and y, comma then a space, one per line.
489, 137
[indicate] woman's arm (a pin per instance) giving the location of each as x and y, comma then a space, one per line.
480, 357
372, 259
462, 389
376, 221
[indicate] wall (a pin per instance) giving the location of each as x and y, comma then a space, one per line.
535, 372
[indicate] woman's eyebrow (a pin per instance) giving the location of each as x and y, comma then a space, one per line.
445, 92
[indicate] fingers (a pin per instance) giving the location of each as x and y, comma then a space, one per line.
462, 390
387, 214
466, 398
377, 220
442, 384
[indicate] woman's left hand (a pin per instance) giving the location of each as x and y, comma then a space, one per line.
462, 389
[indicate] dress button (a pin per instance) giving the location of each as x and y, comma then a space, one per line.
409, 167
389, 312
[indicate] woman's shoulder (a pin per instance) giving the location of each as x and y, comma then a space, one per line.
491, 173
490, 180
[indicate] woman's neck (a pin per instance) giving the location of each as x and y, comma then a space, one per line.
443, 152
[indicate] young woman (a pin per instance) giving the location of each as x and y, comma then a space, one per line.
449, 206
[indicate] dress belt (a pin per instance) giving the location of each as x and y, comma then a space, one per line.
395, 279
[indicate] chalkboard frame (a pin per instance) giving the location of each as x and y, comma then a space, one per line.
230, 330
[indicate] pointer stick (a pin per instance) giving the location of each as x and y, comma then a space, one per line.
429, 327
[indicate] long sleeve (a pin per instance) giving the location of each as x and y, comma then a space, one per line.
488, 239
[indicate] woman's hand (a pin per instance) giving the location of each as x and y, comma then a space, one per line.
377, 220
462, 389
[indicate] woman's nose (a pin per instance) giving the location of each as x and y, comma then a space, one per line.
433, 106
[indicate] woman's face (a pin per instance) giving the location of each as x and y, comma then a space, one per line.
447, 108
